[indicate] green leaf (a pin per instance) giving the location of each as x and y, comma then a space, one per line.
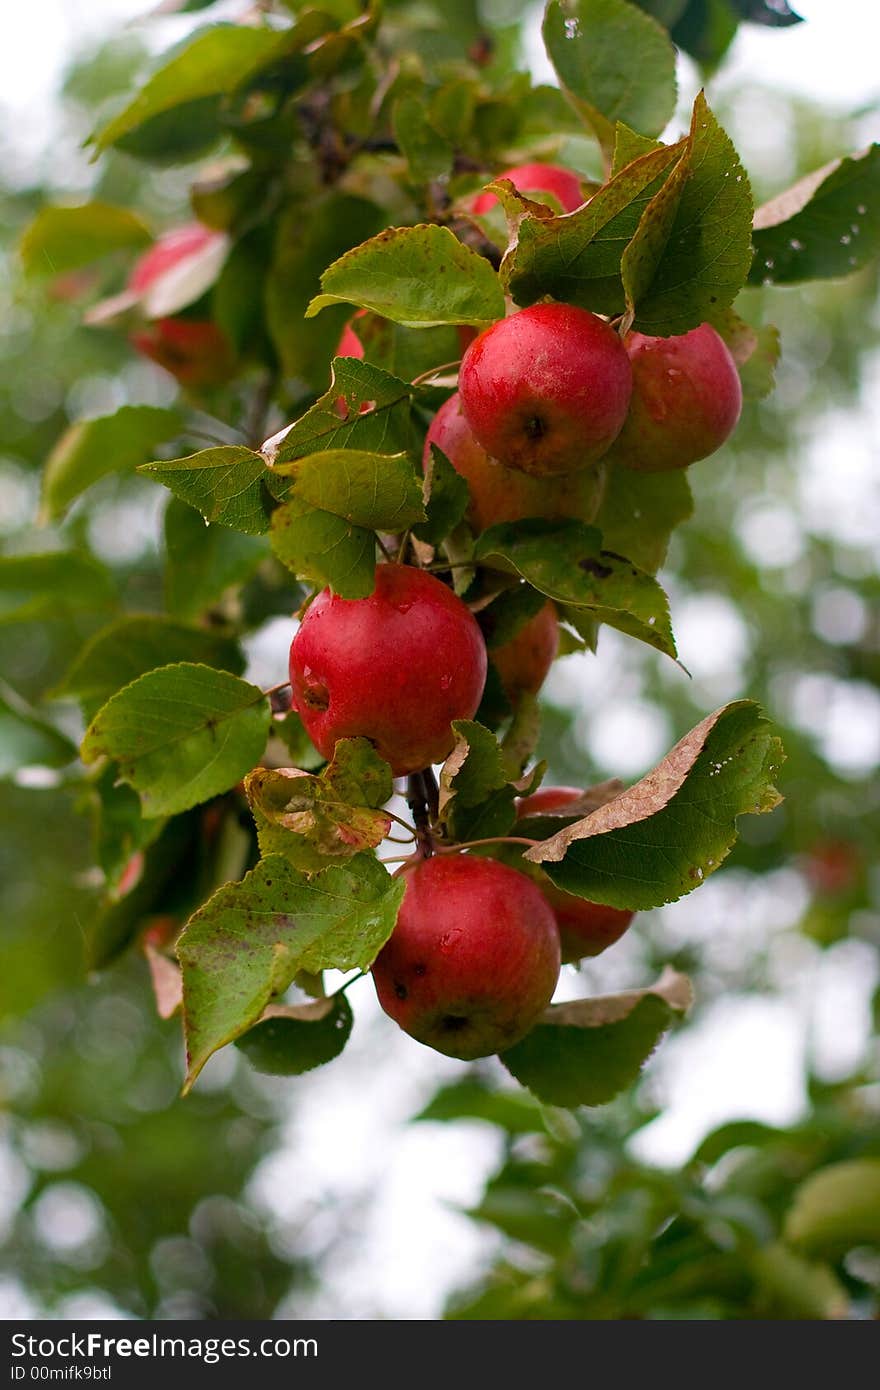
90, 449
692, 252
428, 155
564, 560
119, 828
290, 729
406, 352
639, 512
615, 62
168, 865
788, 1286
64, 238
827, 225
629, 145
476, 799
836, 1209
244, 947
227, 485
319, 546
203, 561
378, 491
307, 239
215, 62
577, 258
448, 499
336, 812
419, 276
52, 585
130, 647
754, 350
474, 768
662, 837
586, 1051
180, 734
26, 740
363, 408
474, 1100
290, 1040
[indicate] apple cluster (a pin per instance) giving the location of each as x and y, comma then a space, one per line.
477, 948
546, 398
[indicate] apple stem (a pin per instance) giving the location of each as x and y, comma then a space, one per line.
384, 549
404, 542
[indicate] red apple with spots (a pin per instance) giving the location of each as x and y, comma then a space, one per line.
397, 668
474, 958
686, 400
532, 180
546, 390
506, 494
585, 928
524, 661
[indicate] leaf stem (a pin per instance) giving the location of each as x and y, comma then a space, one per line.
491, 840
434, 371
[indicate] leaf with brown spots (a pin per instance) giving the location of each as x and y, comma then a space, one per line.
243, 949
336, 813
565, 561
663, 836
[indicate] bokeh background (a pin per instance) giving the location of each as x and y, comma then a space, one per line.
397, 1183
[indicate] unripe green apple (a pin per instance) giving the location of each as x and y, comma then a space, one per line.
397, 668
506, 494
585, 928
524, 661
474, 958
686, 400
547, 389
536, 179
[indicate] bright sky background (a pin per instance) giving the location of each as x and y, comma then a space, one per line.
744, 1057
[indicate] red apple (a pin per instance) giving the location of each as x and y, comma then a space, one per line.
474, 957
585, 928
395, 668
536, 179
547, 389
685, 403
506, 494
523, 662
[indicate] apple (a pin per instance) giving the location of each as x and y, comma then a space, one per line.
547, 389
585, 928
193, 350
523, 662
536, 179
505, 494
686, 400
474, 958
397, 668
